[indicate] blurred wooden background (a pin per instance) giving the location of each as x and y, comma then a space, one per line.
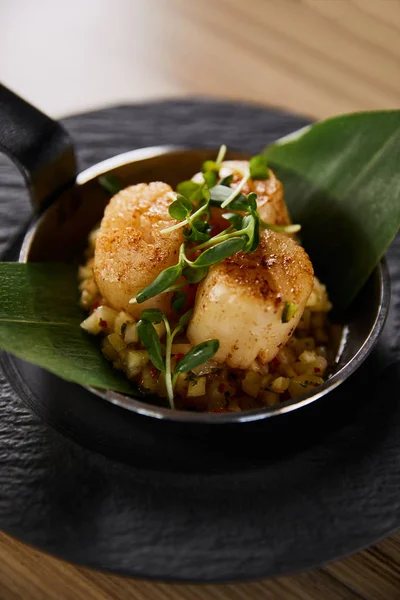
316, 57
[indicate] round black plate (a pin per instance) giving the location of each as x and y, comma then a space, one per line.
89, 482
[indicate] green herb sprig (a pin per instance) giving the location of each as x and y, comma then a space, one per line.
150, 340
191, 207
110, 183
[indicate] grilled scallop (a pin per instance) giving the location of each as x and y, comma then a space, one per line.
130, 250
241, 301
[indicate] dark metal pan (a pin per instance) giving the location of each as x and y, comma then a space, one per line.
68, 205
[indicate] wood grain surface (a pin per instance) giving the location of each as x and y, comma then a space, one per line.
316, 57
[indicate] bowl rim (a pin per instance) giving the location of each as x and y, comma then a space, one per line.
137, 406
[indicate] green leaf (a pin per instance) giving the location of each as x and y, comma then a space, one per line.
150, 340
197, 356
161, 283
178, 211
289, 310
191, 190
185, 202
110, 183
152, 314
194, 275
252, 201
178, 301
259, 167
251, 228
219, 252
40, 322
209, 166
185, 318
219, 193
226, 180
200, 232
210, 178
342, 184
235, 219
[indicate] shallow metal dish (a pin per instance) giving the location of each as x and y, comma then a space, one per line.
69, 208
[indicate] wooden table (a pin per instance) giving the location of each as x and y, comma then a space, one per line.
317, 57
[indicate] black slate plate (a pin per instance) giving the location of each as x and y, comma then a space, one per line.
121, 492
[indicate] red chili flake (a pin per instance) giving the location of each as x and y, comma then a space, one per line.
95, 305
179, 356
140, 380
153, 372
315, 384
103, 324
218, 410
259, 373
275, 361
221, 388
316, 369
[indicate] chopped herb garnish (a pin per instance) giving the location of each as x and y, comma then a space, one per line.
258, 167
150, 340
289, 310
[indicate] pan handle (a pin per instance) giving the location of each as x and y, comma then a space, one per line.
39, 146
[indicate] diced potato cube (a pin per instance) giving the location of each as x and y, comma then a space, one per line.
108, 350
89, 285
251, 383
182, 384
160, 329
269, 398
149, 378
116, 342
300, 368
280, 384
197, 387
92, 324
131, 334
134, 361
266, 380
102, 319
286, 355
216, 392
288, 371
307, 357
85, 272
86, 300
320, 365
122, 318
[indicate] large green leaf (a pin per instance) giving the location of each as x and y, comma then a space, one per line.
341, 180
39, 322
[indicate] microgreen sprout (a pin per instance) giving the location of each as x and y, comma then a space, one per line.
150, 340
110, 183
